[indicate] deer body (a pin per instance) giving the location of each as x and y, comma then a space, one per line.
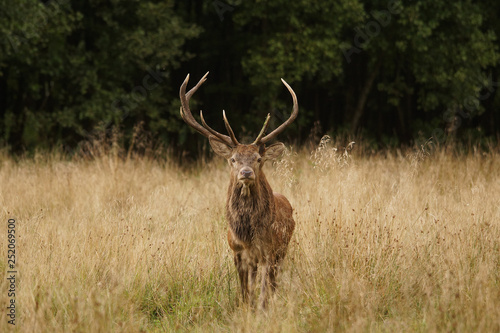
260, 227
260, 222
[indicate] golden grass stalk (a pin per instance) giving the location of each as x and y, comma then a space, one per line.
386, 242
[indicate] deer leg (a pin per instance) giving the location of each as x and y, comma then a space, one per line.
273, 272
264, 287
242, 269
252, 275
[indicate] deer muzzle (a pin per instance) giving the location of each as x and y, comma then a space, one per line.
246, 175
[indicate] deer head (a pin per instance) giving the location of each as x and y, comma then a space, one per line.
246, 160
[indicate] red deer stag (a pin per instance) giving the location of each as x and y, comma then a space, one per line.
260, 221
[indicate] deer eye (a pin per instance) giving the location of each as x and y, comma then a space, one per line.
259, 159
232, 160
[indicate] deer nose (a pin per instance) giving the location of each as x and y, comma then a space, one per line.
246, 173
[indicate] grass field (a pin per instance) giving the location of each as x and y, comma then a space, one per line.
392, 241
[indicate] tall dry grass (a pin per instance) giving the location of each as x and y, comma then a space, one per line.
395, 241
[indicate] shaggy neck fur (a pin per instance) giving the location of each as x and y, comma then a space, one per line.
249, 209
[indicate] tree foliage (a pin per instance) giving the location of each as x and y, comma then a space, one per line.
393, 71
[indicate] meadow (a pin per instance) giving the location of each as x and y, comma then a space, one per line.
388, 241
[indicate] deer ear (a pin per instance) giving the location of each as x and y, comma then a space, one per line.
274, 151
220, 148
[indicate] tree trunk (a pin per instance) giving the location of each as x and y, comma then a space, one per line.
360, 107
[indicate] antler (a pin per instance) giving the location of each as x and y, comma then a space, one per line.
295, 111
189, 119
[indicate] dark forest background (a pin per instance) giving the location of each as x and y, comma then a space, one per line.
390, 72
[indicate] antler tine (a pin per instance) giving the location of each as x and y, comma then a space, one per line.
263, 130
188, 117
185, 111
229, 129
295, 112
211, 130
